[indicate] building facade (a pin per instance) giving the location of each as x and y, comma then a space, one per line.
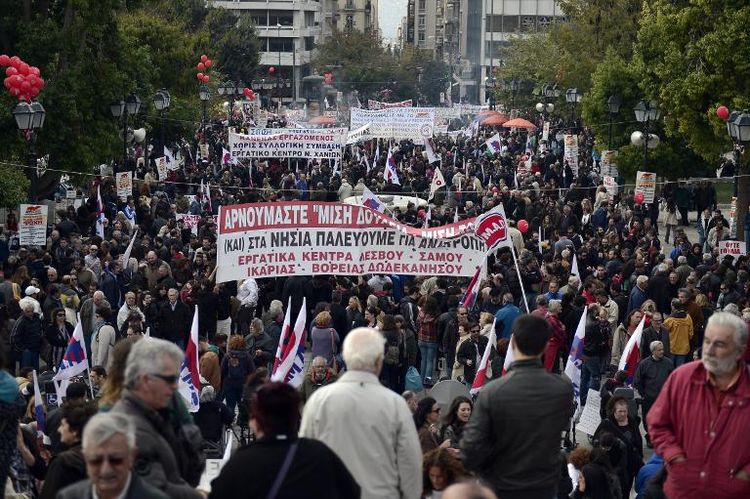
468, 35
350, 15
288, 31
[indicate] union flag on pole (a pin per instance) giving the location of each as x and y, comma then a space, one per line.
631, 355
391, 175
289, 364
481, 375
190, 385
438, 181
74, 361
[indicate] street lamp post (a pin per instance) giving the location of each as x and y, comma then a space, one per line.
130, 106
613, 106
548, 92
29, 118
161, 103
231, 90
645, 113
513, 85
204, 95
573, 97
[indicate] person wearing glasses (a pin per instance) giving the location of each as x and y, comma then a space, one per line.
151, 378
109, 450
426, 420
470, 353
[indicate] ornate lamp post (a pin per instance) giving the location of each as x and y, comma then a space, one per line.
30, 118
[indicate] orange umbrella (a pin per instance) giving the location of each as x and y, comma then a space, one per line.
495, 119
519, 123
486, 112
323, 120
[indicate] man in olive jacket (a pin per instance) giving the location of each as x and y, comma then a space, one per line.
513, 438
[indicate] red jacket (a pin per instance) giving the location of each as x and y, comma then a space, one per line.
686, 419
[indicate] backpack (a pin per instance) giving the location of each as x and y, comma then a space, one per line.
392, 353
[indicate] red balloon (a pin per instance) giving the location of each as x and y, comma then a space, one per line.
209, 63
25, 86
40, 83
15, 91
523, 226
204, 58
11, 71
23, 68
4, 60
201, 66
272, 70
15, 61
722, 112
199, 76
639, 197
34, 70
16, 80
206, 78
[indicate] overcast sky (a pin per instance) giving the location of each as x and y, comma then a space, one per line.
390, 13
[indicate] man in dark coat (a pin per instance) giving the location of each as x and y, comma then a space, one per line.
174, 320
470, 353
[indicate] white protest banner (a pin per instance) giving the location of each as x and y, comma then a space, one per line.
376, 104
545, 131
395, 123
444, 114
473, 108
571, 152
735, 249
309, 238
189, 221
32, 225
611, 184
608, 164
358, 135
295, 115
440, 130
733, 217
590, 418
645, 182
124, 185
161, 168
304, 143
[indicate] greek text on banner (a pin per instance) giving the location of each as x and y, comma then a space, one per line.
305, 143
307, 238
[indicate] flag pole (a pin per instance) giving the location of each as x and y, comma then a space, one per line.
520, 280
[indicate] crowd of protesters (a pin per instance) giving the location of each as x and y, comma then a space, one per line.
635, 261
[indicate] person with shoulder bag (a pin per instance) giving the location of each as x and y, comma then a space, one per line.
324, 340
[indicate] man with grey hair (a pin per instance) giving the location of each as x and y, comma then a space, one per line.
386, 460
152, 373
638, 294
110, 452
650, 375
699, 421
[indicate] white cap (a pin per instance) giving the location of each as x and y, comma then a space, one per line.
32, 290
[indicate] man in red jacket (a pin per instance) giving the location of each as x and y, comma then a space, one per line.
699, 421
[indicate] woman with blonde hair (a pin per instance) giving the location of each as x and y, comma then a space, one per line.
354, 313
324, 338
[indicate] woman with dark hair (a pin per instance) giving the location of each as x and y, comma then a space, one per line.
58, 334
69, 466
427, 335
393, 356
440, 469
279, 464
236, 366
598, 480
426, 418
257, 379
626, 447
455, 421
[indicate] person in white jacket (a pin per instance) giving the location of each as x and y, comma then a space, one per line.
386, 461
104, 338
128, 307
247, 294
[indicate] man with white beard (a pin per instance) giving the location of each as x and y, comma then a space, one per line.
699, 422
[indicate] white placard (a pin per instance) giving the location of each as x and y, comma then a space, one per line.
645, 182
590, 418
303, 143
608, 164
32, 225
611, 184
735, 249
396, 123
124, 185
161, 168
571, 152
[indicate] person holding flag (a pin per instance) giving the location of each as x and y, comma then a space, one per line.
391, 175
289, 363
74, 362
505, 448
473, 355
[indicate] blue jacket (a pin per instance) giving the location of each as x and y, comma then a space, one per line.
637, 297
646, 472
505, 318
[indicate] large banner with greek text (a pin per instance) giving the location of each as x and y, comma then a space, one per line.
396, 122
376, 104
308, 238
303, 143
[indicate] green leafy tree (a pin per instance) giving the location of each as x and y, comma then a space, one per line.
14, 186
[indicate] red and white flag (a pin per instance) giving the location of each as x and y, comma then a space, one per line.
431, 156
289, 364
438, 181
508, 356
481, 375
631, 354
190, 385
472, 291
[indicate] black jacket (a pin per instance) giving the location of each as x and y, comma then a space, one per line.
513, 438
470, 350
174, 324
316, 471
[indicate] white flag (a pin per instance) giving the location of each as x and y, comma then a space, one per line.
438, 181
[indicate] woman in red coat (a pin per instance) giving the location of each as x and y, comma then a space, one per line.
557, 337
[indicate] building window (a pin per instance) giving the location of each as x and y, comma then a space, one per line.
528, 23
544, 22
422, 4
421, 37
421, 21
349, 23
